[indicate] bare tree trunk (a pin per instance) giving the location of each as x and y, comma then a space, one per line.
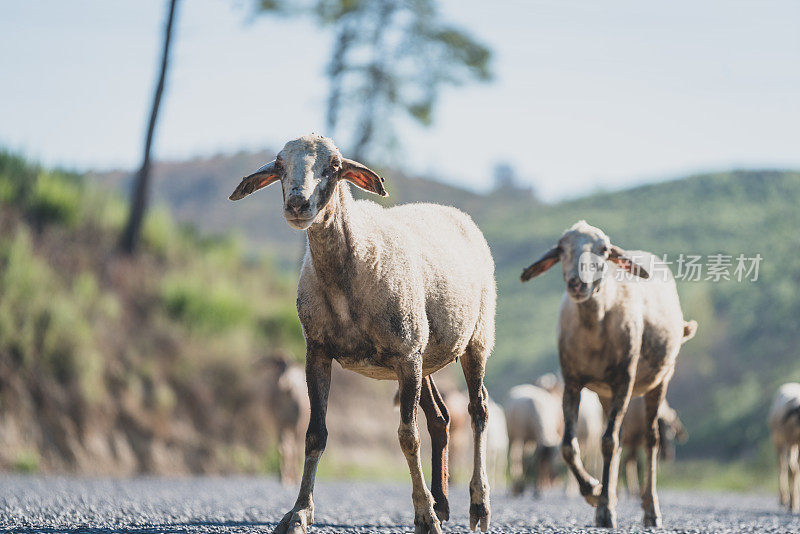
141, 183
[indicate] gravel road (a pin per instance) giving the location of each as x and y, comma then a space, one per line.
199, 505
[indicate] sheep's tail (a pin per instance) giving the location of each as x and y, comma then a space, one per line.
689, 330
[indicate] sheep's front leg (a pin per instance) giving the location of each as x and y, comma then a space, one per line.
570, 449
318, 378
438, 419
652, 513
606, 515
409, 375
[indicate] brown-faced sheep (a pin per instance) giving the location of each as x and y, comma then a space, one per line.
619, 333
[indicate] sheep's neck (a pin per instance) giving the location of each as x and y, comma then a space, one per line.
593, 310
331, 239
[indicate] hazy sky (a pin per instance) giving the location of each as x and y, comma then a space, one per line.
587, 94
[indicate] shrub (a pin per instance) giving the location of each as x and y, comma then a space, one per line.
55, 199
204, 307
27, 461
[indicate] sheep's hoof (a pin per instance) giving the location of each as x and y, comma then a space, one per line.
292, 523
653, 521
479, 513
427, 524
592, 493
442, 509
604, 517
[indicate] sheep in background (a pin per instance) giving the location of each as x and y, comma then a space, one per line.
534, 422
618, 335
784, 425
552, 383
589, 431
393, 294
289, 406
528, 418
457, 403
496, 445
589, 428
633, 437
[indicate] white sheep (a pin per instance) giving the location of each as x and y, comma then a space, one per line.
496, 444
784, 425
619, 334
589, 428
288, 402
534, 422
393, 294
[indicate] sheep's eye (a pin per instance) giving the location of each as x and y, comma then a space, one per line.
603, 249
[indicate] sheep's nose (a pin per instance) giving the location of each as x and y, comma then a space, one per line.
297, 204
574, 282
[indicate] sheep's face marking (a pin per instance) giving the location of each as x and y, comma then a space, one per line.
583, 250
309, 168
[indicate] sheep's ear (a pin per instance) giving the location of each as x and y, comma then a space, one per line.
689, 330
261, 178
549, 259
620, 257
362, 177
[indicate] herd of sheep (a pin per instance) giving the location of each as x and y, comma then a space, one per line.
398, 293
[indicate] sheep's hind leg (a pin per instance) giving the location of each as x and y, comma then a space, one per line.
473, 363
570, 450
438, 420
652, 513
318, 378
409, 375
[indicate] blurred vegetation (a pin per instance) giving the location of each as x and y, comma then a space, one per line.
202, 287
109, 361
748, 337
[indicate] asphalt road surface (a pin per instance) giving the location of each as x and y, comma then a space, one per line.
199, 505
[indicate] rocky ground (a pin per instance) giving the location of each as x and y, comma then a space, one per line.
199, 505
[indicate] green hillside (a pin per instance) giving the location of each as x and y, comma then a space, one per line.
197, 190
748, 337
111, 365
